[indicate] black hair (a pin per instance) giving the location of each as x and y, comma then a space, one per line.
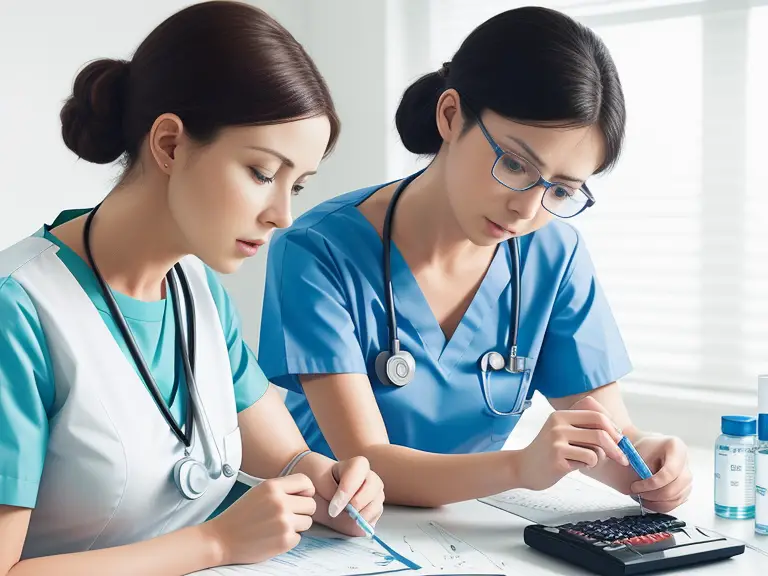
214, 64
532, 65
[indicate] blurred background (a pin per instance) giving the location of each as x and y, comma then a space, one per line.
679, 234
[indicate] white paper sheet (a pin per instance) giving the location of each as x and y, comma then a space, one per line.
320, 556
574, 497
430, 545
439, 551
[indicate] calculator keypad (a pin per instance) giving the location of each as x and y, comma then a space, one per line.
634, 530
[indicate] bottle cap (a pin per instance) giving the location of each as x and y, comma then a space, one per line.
739, 425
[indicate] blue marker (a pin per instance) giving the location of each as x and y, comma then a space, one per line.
368, 529
637, 463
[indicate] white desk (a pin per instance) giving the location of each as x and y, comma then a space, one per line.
499, 535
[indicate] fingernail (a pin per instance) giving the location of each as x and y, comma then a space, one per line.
624, 460
337, 504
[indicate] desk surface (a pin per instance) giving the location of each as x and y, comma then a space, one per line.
499, 535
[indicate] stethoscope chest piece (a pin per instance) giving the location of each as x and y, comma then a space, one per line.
491, 361
397, 369
494, 361
191, 477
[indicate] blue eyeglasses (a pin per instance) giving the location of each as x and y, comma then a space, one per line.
517, 173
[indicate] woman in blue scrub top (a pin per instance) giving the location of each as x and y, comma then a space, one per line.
128, 398
529, 108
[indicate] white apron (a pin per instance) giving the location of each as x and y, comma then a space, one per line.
107, 478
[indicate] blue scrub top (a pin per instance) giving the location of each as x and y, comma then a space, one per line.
324, 313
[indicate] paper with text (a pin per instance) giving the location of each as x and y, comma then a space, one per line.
439, 551
575, 496
319, 556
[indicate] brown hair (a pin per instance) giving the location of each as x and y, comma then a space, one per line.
532, 65
214, 64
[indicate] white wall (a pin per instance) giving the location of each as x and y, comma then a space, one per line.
41, 51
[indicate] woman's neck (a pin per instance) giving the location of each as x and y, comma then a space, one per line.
134, 240
425, 227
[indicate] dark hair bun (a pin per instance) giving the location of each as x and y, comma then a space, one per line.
92, 117
415, 117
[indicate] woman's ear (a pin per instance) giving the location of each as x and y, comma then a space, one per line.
164, 137
448, 115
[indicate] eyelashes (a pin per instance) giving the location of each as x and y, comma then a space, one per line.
264, 179
261, 177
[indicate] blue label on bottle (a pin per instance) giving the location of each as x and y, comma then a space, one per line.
735, 512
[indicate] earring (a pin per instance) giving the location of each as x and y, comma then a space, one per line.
166, 165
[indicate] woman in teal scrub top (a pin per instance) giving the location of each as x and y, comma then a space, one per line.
529, 108
129, 401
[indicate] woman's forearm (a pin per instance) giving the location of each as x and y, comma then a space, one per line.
416, 478
181, 552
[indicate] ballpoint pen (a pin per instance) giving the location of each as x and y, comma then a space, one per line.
637, 463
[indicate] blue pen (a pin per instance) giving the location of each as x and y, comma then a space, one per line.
362, 522
368, 529
635, 460
637, 463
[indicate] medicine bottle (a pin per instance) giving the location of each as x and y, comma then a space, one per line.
735, 468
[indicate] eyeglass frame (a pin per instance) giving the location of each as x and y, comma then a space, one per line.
541, 180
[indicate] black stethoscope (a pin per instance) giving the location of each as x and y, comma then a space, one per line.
192, 477
398, 367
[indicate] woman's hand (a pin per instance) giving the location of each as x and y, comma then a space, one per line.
265, 522
340, 483
672, 481
573, 439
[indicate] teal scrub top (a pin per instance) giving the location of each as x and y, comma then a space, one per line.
324, 313
26, 376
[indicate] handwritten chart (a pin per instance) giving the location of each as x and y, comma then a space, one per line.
439, 551
573, 496
318, 556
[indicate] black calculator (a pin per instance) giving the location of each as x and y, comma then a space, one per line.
635, 544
